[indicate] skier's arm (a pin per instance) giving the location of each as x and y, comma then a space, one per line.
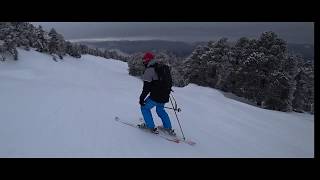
145, 91
147, 78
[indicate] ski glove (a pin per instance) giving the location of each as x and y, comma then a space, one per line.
141, 102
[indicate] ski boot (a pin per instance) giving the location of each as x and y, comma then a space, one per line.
155, 131
144, 126
168, 131
171, 132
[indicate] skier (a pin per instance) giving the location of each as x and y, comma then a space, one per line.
159, 95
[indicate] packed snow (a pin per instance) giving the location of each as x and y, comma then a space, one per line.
67, 109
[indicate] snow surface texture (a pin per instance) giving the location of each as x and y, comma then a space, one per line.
67, 109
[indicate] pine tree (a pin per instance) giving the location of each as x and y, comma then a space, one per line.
73, 50
195, 65
2, 51
22, 33
53, 43
42, 42
135, 64
56, 44
83, 49
304, 94
10, 46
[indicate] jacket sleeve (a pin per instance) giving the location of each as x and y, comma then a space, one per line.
146, 90
149, 75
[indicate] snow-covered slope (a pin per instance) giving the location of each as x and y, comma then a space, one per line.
67, 109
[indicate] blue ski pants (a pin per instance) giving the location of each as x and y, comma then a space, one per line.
147, 115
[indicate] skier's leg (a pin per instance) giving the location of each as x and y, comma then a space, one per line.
163, 115
146, 112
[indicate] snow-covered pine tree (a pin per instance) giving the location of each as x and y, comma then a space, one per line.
73, 50
42, 42
84, 49
106, 54
76, 51
22, 33
56, 43
135, 64
194, 66
2, 51
53, 42
214, 64
304, 94
280, 72
10, 46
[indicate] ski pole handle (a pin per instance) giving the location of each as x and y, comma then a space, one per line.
175, 109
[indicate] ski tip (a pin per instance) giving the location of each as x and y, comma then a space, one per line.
191, 143
176, 140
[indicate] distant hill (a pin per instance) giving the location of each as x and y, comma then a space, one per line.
181, 49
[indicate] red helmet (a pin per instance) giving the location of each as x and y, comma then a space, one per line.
148, 56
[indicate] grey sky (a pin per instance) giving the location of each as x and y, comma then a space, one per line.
293, 32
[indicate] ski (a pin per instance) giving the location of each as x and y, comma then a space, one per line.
161, 134
146, 130
161, 129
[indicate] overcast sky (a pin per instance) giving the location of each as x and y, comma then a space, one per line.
293, 32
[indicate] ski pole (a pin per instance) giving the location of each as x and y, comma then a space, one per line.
175, 102
177, 109
177, 119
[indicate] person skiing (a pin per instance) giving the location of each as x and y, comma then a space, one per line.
159, 95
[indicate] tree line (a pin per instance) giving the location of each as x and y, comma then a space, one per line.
260, 70
25, 35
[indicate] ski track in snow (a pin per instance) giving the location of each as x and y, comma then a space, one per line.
67, 109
